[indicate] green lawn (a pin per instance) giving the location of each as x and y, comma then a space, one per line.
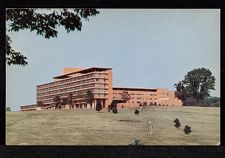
88, 127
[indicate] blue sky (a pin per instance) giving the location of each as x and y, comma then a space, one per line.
152, 48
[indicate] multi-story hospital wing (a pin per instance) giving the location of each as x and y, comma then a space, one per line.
77, 81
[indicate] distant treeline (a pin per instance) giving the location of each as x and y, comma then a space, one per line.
209, 101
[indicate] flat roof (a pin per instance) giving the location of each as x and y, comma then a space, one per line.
82, 71
135, 89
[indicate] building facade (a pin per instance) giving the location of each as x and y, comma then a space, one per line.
146, 96
99, 81
30, 107
77, 81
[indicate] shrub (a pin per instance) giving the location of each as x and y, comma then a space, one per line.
177, 123
136, 112
114, 110
8, 109
136, 142
145, 104
187, 129
98, 106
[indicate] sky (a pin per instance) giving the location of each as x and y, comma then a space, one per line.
149, 48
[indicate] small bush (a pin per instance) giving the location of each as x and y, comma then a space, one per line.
114, 110
187, 129
98, 107
136, 112
8, 109
136, 142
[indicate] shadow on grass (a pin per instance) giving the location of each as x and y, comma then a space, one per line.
129, 121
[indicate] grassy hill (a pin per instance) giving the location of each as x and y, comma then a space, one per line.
88, 127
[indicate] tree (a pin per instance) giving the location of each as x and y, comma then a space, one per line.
57, 101
98, 106
89, 97
64, 101
70, 100
13, 57
212, 101
43, 24
40, 104
197, 84
8, 109
145, 104
125, 96
181, 91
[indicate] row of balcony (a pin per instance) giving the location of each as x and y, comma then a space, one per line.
72, 79
94, 89
72, 88
84, 81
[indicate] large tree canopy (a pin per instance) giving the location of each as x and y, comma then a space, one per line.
181, 91
43, 24
196, 84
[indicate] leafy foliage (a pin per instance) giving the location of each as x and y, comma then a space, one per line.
13, 57
145, 104
187, 129
181, 90
40, 103
70, 99
212, 101
43, 24
197, 84
136, 112
98, 106
125, 96
64, 101
177, 123
89, 97
136, 142
8, 109
57, 101
114, 110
